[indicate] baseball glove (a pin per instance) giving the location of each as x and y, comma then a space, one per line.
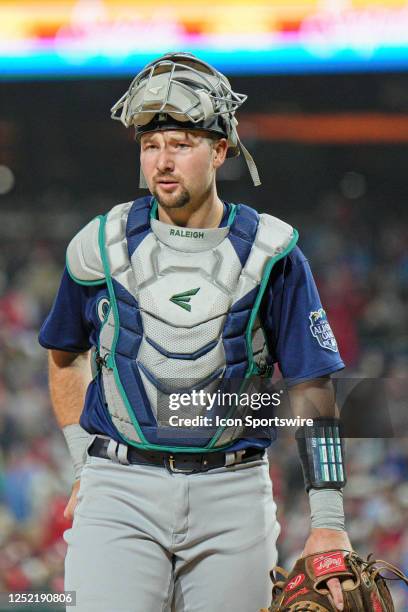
364, 588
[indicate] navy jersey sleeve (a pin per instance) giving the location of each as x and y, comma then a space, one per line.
296, 326
67, 326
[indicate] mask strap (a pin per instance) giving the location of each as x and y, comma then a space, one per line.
253, 170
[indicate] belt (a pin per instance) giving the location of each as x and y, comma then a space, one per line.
185, 463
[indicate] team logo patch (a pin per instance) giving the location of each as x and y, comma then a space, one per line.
295, 582
329, 564
321, 330
102, 308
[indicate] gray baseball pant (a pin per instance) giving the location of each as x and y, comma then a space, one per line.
146, 540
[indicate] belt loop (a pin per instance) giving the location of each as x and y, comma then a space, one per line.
111, 450
239, 455
234, 457
122, 454
229, 458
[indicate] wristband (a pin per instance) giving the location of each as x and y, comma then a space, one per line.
326, 509
77, 440
321, 452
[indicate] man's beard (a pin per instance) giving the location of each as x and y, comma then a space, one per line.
182, 200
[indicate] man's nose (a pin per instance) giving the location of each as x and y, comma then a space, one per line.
165, 162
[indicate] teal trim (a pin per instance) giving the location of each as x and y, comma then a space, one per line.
111, 362
104, 322
79, 281
232, 214
153, 209
252, 368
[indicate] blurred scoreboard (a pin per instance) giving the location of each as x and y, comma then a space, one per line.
46, 39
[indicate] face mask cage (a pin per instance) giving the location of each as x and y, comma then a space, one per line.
183, 91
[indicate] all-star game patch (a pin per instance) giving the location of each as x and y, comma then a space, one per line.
321, 330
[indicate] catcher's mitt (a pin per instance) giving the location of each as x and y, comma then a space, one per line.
364, 588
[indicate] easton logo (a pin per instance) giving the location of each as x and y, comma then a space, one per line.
183, 299
155, 91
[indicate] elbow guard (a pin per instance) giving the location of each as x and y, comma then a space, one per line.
322, 454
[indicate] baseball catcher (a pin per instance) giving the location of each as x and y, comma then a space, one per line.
161, 296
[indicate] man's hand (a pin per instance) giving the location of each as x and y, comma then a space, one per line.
72, 502
321, 540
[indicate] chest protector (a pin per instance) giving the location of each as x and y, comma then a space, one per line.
182, 315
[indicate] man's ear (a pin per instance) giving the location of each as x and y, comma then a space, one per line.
220, 147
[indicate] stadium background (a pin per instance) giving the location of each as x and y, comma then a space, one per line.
327, 121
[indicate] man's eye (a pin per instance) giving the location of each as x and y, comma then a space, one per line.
183, 145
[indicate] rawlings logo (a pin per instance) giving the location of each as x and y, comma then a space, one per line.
294, 595
295, 582
328, 564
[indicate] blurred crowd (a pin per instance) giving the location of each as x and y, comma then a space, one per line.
360, 262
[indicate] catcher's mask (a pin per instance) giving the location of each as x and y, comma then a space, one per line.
180, 91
